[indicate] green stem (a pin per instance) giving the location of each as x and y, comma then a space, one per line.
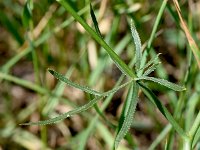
35, 65
24, 83
5, 68
155, 27
120, 64
195, 127
163, 110
161, 136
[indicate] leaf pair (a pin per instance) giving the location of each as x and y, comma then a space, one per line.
151, 66
91, 103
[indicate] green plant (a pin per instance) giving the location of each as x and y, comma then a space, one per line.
136, 80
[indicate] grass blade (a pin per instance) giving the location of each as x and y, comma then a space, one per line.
163, 82
27, 14
151, 96
196, 125
129, 111
138, 45
102, 115
156, 24
12, 26
160, 137
196, 138
95, 21
24, 83
189, 37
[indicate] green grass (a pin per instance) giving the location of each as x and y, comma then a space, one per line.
48, 35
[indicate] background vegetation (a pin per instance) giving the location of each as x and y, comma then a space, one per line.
36, 35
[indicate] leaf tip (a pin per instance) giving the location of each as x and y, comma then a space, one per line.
23, 124
51, 71
116, 145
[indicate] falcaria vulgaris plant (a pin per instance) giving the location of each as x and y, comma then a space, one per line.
135, 80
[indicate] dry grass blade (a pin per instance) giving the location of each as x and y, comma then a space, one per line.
191, 41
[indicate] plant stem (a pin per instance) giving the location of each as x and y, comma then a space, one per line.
162, 8
155, 27
163, 110
120, 64
194, 127
24, 83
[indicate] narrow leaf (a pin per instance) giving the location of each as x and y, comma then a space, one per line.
196, 138
11, 25
151, 61
102, 115
132, 99
66, 115
27, 14
150, 69
163, 82
79, 109
138, 45
196, 125
70, 83
152, 97
95, 21
189, 37
84, 88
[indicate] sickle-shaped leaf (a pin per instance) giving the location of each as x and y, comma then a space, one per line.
128, 111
